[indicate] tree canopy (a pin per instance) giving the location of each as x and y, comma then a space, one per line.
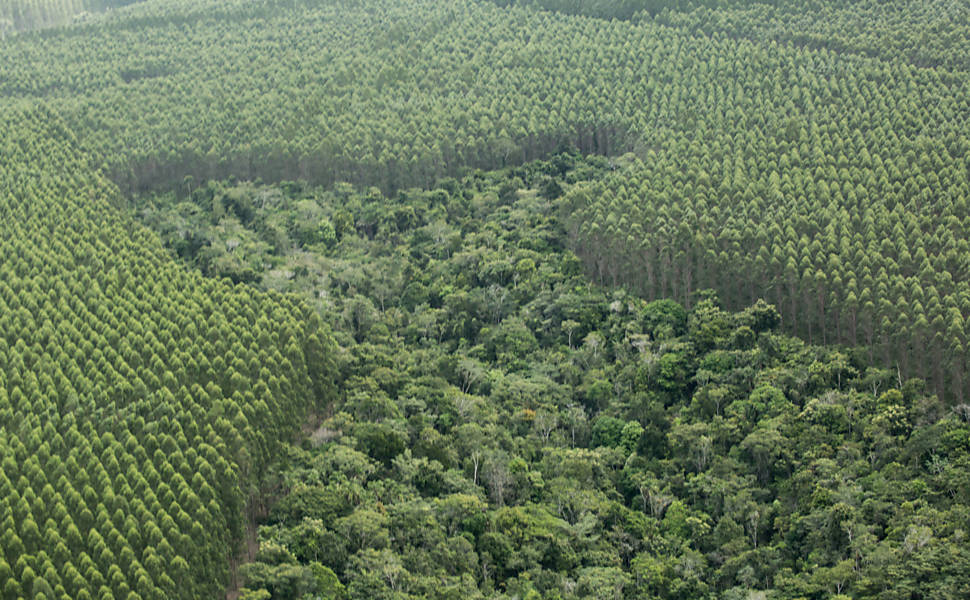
505, 429
524, 272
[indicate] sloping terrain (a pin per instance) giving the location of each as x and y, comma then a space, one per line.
779, 157
750, 149
139, 401
26, 15
507, 430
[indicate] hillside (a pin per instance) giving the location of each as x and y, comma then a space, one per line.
140, 403
398, 94
507, 430
25, 15
571, 298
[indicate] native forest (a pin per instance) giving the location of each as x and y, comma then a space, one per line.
484, 299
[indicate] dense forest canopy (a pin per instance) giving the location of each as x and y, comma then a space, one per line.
24, 15
731, 119
140, 403
505, 429
526, 272
925, 33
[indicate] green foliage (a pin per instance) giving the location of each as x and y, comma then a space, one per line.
665, 319
280, 582
140, 403
659, 452
22, 15
327, 583
504, 428
809, 152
